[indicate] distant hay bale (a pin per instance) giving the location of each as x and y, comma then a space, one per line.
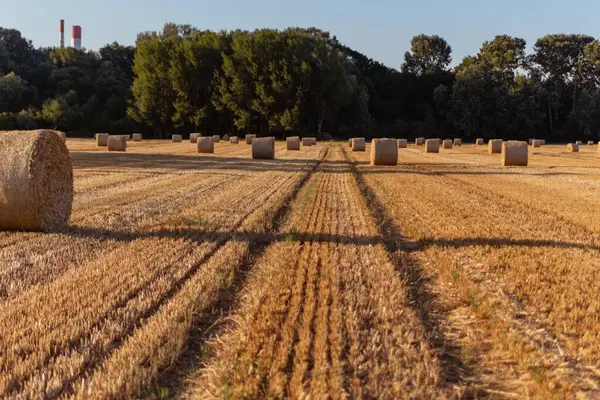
127, 138
216, 138
226, 138
457, 142
384, 152
117, 143
579, 142
447, 144
495, 146
536, 143
136, 137
530, 141
293, 143
177, 138
479, 142
573, 147
350, 143
515, 153
590, 142
249, 138
359, 144
306, 142
205, 145
543, 141
194, 137
432, 146
402, 143
234, 140
314, 141
102, 139
36, 190
420, 141
263, 148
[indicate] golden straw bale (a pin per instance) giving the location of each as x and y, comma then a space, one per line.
177, 138
579, 142
249, 138
293, 143
536, 143
101, 139
573, 147
432, 146
384, 152
206, 145
306, 142
350, 143
447, 144
234, 140
61, 134
457, 142
420, 141
36, 190
495, 146
590, 142
515, 153
359, 144
226, 138
314, 141
263, 148
136, 137
479, 142
543, 141
194, 137
402, 143
216, 138
117, 143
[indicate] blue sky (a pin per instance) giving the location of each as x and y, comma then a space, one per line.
381, 29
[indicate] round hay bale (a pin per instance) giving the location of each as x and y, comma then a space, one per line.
530, 141
536, 143
479, 142
457, 142
590, 142
447, 144
573, 147
402, 143
384, 152
226, 138
61, 134
36, 190
216, 138
420, 141
136, 137
249, 138
263, 148
432, 146
293, 143
359, 144
495, 146
117, 143
177, 138
579, 142
515, 153
350, 143
194, 137
314, 141
543, 141
306, 142
234, 140
102, 139
205, 145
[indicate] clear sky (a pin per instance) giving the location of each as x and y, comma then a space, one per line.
381, 29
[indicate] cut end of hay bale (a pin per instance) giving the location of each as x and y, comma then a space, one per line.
36, 193
495, 146
136, 137
384, 152
117, 143
447, 144
177, 138
263, 148
194, 137
432, 146
479, 142
515, 153
102, 139
249, 138
420, 141
234, 140
457, 142
402, 143
536, 143
359, 144
573, 147
205, 145
306, 142
293, 143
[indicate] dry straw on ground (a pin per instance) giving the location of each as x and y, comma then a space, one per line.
249, 138
359, 144
402, 143
573, 147
216, 138
293, 143
234, 140
384, 152
177, 138
206, 145
495, 146
420, 141
515, 153
36, 191
447, 144
263, 148
306, 142
536, 143
479, 142
457, 142
117, 143
102, 139
136, 137
432, 146
194, 137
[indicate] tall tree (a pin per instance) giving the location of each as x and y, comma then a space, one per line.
428, 54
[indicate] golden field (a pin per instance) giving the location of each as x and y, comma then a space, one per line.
186, 275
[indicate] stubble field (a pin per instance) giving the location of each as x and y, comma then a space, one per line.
313, 275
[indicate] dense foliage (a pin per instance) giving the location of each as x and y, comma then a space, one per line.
302, 81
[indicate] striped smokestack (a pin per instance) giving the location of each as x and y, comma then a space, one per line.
76, 37
61, 34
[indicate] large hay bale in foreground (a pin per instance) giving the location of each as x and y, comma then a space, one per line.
432, 146
194, 137
495, 146
226, 138
384, 152
573, 147
306, 142
420, 141
177, 138
515, 153
249, 138
479, 142
457, 142
36, 189
359, 144
447, 144
102, 139
234, 140
216, 138
205, 145
293, 143
117, 143
263, 148
579, 142
536, 143
136, 137
402, 143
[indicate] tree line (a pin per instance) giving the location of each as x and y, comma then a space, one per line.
302, 81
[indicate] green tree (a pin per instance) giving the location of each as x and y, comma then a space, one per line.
428, 54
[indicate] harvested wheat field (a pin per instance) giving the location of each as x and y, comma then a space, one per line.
312, 275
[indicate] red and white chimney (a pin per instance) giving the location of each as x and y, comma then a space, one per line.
76, 37
61, 34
